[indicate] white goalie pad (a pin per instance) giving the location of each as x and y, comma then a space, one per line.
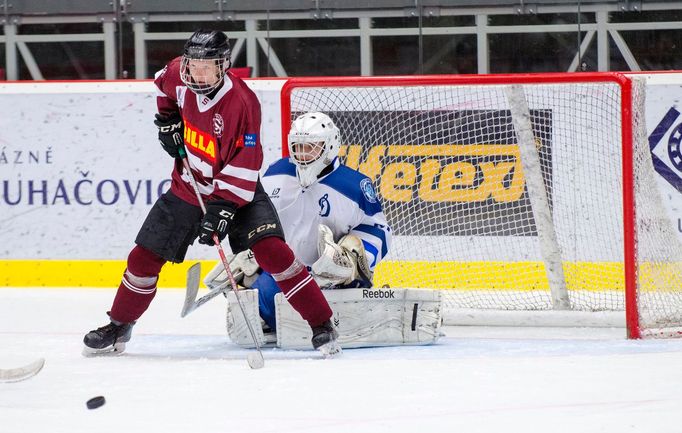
368, 318
237, 329
363, 318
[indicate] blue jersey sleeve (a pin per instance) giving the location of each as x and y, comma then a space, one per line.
373, 229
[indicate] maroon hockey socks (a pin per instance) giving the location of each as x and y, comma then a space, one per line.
292, 277
138, 286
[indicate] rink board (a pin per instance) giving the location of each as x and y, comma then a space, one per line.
84, 206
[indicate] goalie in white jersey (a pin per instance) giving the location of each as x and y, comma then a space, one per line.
330, 214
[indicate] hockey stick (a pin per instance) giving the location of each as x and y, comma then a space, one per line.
191, 301
255, 360
21, 373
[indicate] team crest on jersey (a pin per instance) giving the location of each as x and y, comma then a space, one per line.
325, 207
368, 190
218, 125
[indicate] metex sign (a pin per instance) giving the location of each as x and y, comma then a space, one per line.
443, 172
457, 172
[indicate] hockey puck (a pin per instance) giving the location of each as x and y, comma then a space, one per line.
95, 402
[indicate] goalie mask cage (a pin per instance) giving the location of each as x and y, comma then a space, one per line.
520, 196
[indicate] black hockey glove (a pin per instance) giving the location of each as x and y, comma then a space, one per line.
218, 219
170, 133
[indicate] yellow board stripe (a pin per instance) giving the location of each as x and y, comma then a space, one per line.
84, 273
595, 276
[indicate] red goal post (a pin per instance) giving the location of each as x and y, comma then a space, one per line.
501, 223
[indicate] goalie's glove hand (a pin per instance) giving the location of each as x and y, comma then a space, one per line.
243, 267
335, 266
342, 264
170, 133
218, 220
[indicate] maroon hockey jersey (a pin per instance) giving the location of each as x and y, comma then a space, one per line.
221, 137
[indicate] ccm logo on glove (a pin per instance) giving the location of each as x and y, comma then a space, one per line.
170, 133
218, 220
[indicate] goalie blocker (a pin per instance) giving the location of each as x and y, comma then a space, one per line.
363, 317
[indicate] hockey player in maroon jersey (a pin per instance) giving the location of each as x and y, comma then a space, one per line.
217, 118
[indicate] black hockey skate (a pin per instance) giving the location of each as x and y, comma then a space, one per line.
109, 339
324, 339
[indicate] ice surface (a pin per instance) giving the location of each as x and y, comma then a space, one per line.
183, 375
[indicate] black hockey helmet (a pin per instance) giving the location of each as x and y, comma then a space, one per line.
205, 45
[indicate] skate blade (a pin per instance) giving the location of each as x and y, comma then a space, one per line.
330, 349
116, 350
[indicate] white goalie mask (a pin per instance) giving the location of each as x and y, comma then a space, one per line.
314, 142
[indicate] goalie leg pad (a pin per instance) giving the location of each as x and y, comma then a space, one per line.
369, 318
237, 329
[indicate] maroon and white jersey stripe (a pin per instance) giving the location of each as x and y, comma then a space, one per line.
222, 137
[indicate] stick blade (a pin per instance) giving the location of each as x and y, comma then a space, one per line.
21, 373
193, 278
255, 360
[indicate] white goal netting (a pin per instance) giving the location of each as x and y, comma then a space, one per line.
497, 231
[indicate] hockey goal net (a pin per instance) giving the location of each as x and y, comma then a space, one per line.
512, 193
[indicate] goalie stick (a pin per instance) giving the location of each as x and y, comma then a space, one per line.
191, 301
255, 360
8, 375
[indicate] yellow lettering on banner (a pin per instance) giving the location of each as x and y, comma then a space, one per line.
493, 181
429, 170
372, 165
397, 175
352, 154
453, 182
457, 182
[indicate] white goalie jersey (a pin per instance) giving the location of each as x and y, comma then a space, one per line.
344, 200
